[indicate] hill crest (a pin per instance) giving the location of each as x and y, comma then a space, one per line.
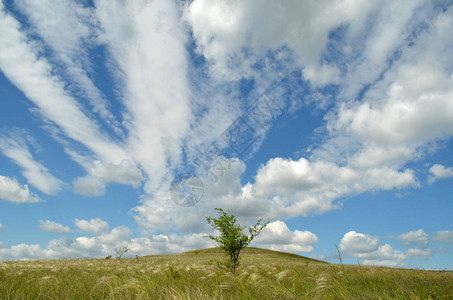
253, 251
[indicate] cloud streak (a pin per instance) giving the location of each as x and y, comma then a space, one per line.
32, 74
36, 174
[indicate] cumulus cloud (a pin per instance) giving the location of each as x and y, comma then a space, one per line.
415, 238
94, 226
419, 253
11, 190
53, 227
306, 186
277, 236
384, 256
22, 251
1, 227
368, 248
445, 236
283, 188
438, 171
354, 242
104, 244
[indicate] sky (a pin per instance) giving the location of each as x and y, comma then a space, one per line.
126, 123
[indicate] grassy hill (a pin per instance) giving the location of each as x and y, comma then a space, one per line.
252, 254
263, 274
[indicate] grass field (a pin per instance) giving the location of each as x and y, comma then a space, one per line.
263, 274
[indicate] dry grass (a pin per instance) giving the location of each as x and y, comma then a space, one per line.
263, 274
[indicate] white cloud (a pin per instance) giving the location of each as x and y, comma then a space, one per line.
322, 75
277, 236
420, 253
101, 173
11, 190
53, 227
53, 21
32, 74
415, 238
153, 216
403, 113
104, 244
125, 172
121, 233
156, 88
368, 248
407, 104
439, 172
94, 226
1, 227
22, 251
226, 30
354, 242
89, 186
384, 256
445, 236
369, 52
302, 187
369, 141
282, 189
37, 175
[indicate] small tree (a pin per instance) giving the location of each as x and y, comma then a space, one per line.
120, 251
232, 238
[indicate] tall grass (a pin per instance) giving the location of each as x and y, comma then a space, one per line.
263, 275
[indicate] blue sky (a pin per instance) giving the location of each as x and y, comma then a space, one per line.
127, 122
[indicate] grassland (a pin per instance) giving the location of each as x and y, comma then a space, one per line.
263, 274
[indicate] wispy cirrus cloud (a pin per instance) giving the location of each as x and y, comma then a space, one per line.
52, 21
157, 103
32, 74
16, 148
